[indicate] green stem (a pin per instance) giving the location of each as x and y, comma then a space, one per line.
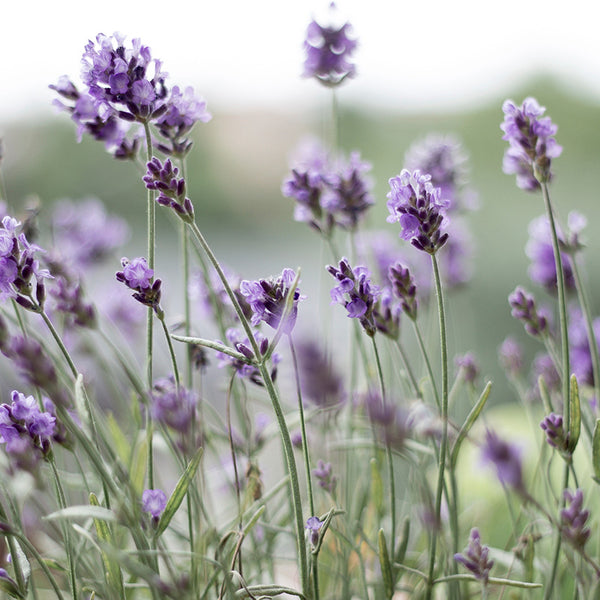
444, 416
273, 396
389, 455
62, 502
427, 364
305, 453
409, 371
185, 251
171, 350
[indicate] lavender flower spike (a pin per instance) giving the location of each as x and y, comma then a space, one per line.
268, 299
555, 433
475, 557
328, 50
154, 502
163, 178
532, 143
137, 276
524, 309
356, 293
420, 210
506, 459
573, 519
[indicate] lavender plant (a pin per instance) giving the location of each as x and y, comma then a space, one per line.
280, 473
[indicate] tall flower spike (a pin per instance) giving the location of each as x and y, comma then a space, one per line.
524, 308
268, 299
171, 188
506, 459
573, 519
475, 557
404, 288
420, 210
328, 51
356, 293
532, 144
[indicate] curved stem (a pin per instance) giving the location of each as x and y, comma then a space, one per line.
427, 364
444, 416
171, 351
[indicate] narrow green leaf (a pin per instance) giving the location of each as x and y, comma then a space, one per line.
596, 451
545, 395
386, 567
8, 586
139, 461
81, 404
83, 512
266, 591
179, 493
402, 547
575, 416
113, 570
253, 520
213, 346
469, 422
376, 486
118, 440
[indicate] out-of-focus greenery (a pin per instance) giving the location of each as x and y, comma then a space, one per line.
238, 162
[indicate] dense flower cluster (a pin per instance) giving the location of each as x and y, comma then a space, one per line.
475, 557
125, 84
269, 299
324, 475
467, 364
531, 143
556, 436
573, 519
171, 189
21, 276
524, 309
247, 368
328, 192
137, 276
420, 210
404, 288
328, 51
25, 430
386, 314
356, 293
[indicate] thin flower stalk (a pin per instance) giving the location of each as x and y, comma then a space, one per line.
444, 416
269, 386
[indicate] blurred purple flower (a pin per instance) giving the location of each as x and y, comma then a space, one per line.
511, 356
531, 143
475, 557
313, 525
506, 459
581, 358
573, 519
467, 364
324, 475
154, 502
524, 309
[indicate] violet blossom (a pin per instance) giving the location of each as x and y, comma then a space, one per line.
137, 276
154, 502
475, 557
163, 178
524, 309
531, 143
506, 458
420, 210
573, 519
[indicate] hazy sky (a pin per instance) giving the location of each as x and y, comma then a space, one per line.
239, 53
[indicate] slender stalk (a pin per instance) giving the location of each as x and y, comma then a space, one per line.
564, 336
185, 252
427, 364
409, 371
273, 396
171, 351
62, 502
305, 453
389, 455
444, 416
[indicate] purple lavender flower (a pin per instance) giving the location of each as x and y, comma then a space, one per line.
348, 194
268, 299
324, 475
120, 77
404, 288
524, 308
556, 436
313, 525
328, 51
25, 430
328, 191
174, 406
21, 277
389, 421
506, 458
356, 293
84, 234
532, 143
67, 297
511, 356
420, 210
443, 157
319, 381
247, 368
467, 364
540, 251
137, 276
573, 519
386, 314
475, 557
154, 502
163, 178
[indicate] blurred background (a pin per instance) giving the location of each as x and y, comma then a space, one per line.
430, 66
